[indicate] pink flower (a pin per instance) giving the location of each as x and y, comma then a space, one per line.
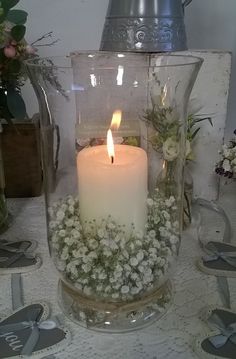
10, 51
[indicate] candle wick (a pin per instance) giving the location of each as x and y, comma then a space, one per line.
112, 159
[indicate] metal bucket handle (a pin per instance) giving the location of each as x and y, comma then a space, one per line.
186, 3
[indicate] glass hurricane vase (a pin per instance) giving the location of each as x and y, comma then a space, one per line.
114, 216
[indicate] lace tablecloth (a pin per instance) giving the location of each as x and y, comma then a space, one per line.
171, 337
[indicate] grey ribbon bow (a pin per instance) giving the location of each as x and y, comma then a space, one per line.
35, 327
214, 254
19, 252
226, 332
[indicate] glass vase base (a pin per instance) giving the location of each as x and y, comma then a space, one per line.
114, 317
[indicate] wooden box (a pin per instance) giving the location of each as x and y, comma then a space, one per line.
22, 159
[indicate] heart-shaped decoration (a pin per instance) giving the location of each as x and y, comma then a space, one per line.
29, 332
18, 256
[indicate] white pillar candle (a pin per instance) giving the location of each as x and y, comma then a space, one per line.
118, 189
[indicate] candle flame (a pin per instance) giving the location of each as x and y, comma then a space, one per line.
116, 120
110, 146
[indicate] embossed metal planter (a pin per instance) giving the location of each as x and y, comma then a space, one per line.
145, 25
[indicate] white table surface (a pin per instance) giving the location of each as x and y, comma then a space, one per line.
171, 337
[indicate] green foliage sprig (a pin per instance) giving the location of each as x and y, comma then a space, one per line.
164, 123
14, 50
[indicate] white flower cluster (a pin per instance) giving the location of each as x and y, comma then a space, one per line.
100, 260
228, 153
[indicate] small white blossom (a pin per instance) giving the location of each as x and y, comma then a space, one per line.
86, 268
52, 224
141, 268
62, 233
150, 202
152, 233
107, 289
69, 222
134, 276
140, 256
118, 268
173, 239
60, 215
83, 280
61, 265
135, 290
101, 233
92, 243
111, 225
124, 289
80, 252
69, 241
139, 235
125, 254
138, 243
170, 201
133, 261
112, 244
156, 244
127, 267
75, 233
107, 253
102, 275
92, 255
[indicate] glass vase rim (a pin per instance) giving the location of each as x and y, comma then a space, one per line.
193, 60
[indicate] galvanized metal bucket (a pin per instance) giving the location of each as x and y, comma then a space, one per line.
145, 25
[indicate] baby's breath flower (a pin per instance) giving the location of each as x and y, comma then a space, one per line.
69, 222
86, 268
125, 266
140, 256
124, 289
152, 233
101, 233
133, 261
69, 241
60, 215
150, 202
62, 233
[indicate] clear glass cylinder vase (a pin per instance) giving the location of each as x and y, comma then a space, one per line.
114, 215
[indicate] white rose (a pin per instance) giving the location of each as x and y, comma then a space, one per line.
170, 149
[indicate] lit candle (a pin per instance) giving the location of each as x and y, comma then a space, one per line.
113, 182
